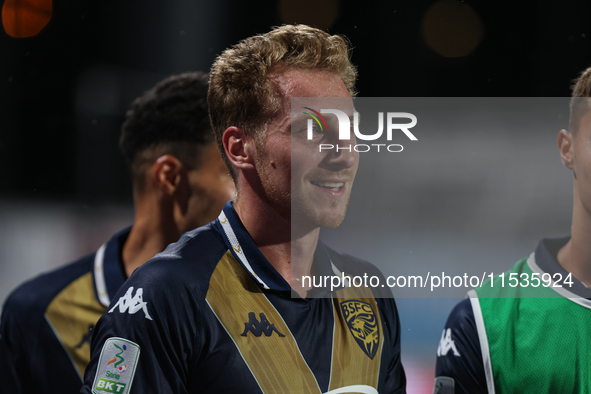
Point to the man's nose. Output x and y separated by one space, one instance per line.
343 155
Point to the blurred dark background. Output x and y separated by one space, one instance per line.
479 191
65 90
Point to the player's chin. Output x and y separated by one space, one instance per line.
316 216
331 223
331 218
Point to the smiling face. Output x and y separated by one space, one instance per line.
302 183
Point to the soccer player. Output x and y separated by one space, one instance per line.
180 182
534 337
215 312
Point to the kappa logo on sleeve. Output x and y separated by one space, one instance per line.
132 304
446 344
116 366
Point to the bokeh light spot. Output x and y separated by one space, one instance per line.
25 18
452 28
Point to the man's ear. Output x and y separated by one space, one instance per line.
565 143
166 172
239 148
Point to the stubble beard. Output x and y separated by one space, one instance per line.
305 214
279 200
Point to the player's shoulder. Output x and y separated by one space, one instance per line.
350 264
460 326
175 280
461 312
199 244
189 260
31 298
357 267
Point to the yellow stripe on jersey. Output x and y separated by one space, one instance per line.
71 314
273 356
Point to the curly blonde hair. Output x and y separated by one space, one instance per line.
579 103
240 91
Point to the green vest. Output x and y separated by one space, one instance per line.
533 339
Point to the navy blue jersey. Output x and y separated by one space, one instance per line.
47 322
211 315
461 361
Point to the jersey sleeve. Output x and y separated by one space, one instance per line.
458 355
10 352
145 342
395 381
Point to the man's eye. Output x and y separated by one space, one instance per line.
315 130
318 129
318 133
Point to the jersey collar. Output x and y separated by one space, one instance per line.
546 259
108 273
323 267
254 262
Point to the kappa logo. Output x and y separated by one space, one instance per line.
132 304
363 324
257 328
446 343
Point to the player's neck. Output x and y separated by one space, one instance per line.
153 230
290 254
303 246
575 256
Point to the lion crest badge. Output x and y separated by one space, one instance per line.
363 324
